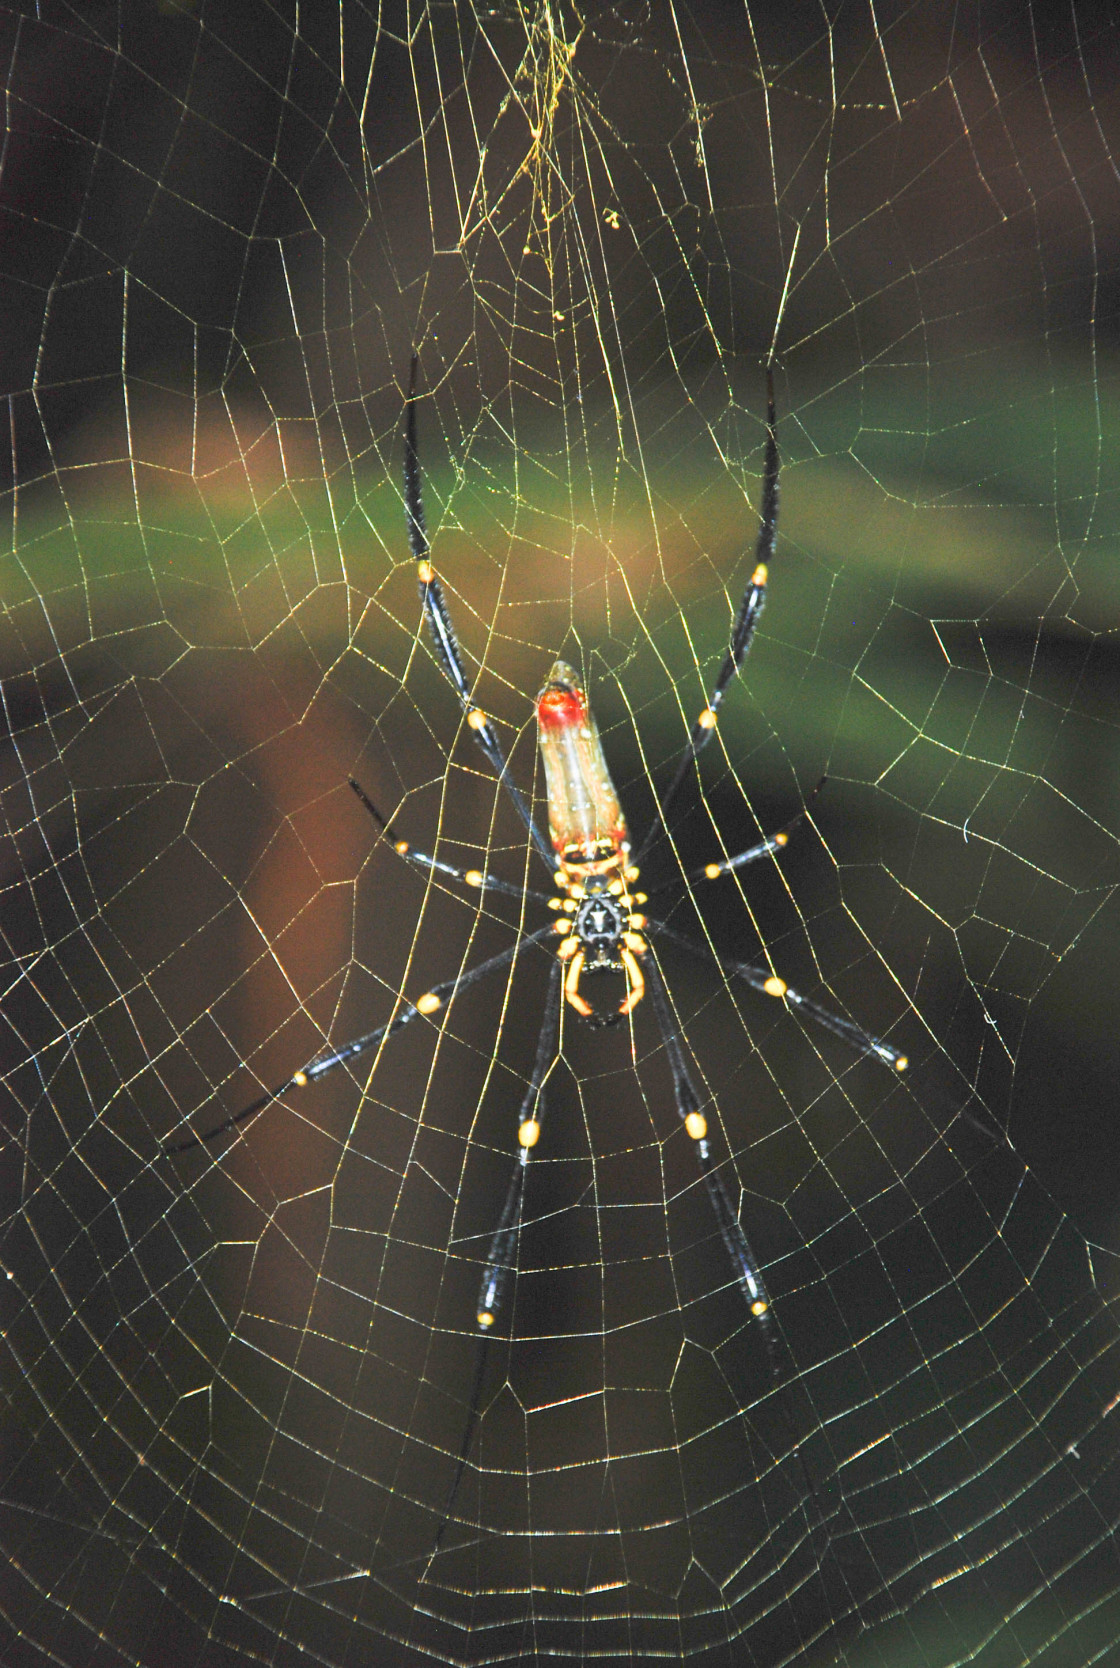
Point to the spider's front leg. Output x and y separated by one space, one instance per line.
748 1276
503 1245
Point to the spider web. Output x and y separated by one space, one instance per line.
236 1382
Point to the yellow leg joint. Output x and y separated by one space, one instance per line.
571 985
636 985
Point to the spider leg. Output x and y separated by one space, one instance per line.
503 1245
765 848
429 1003
433 865
761 979
742 632
748 1276
442 630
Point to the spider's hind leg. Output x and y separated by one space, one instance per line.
442 630
742 630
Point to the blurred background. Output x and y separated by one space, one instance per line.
237 1381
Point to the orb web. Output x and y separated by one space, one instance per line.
237 1380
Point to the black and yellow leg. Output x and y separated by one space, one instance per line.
503 1246
442 631
748 1276
769 984
743 628
477 878
765 848
424 1006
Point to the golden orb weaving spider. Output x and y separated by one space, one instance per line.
601 924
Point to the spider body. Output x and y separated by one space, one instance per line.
585 820
592 847
601 927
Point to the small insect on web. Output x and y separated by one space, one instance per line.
602 925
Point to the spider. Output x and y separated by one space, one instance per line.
600 922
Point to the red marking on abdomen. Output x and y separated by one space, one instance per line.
560 709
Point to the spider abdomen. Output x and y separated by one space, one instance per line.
584 816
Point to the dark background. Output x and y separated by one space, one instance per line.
245 1373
